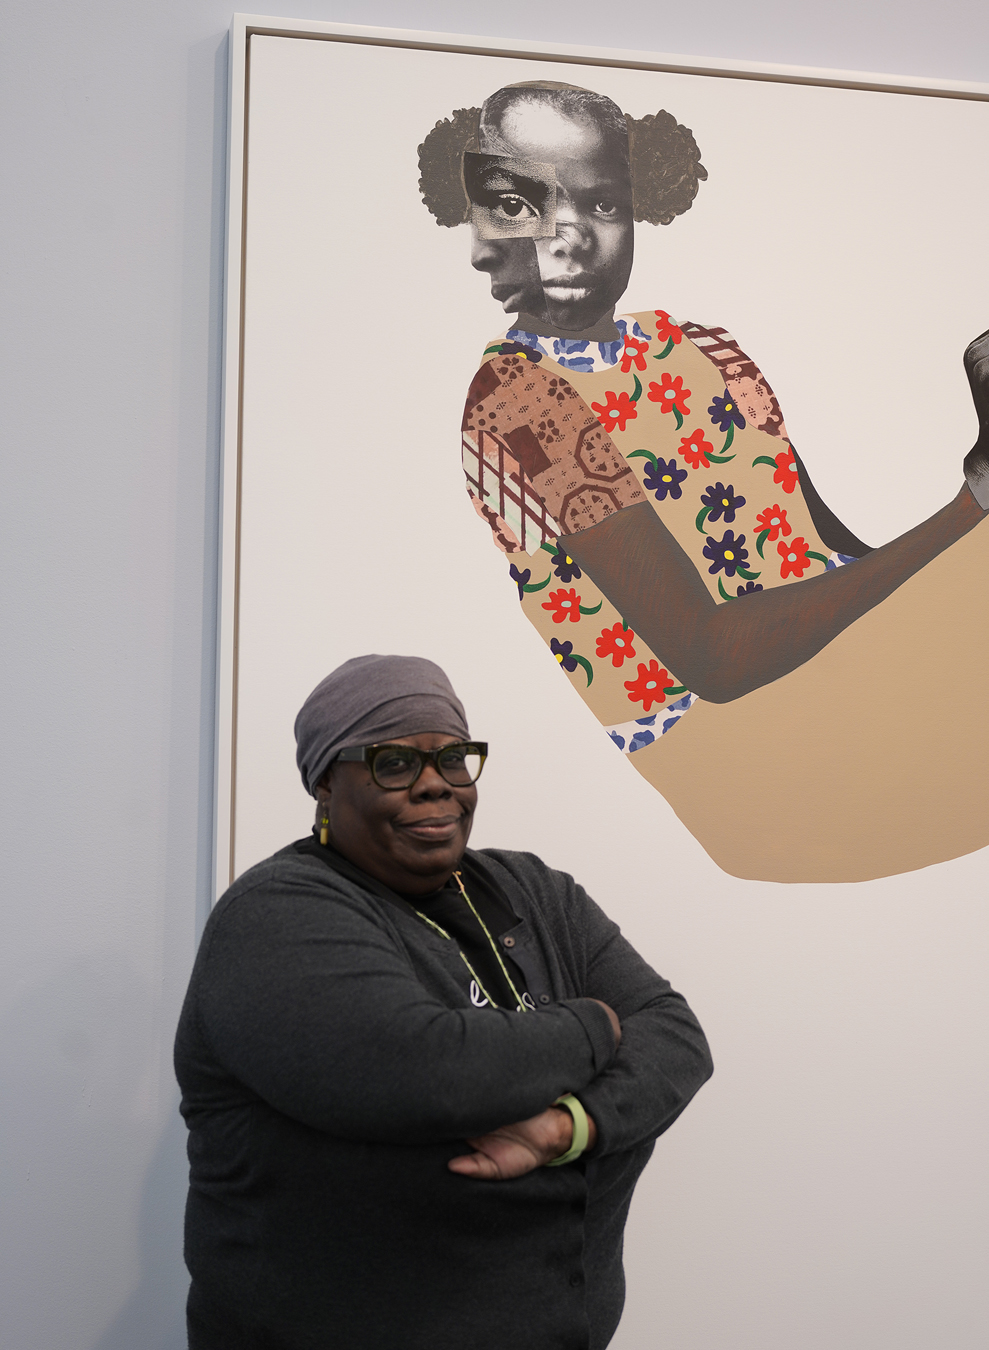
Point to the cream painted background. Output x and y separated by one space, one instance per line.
827 1186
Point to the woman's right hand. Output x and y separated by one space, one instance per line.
977 460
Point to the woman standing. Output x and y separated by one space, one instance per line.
420 1081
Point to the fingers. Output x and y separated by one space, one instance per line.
477 1165
500 1156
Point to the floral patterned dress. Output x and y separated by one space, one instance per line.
676 415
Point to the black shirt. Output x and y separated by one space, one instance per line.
331 1065
448 908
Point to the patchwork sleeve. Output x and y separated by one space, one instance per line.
538 462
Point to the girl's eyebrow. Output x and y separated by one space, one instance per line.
526 187
527 175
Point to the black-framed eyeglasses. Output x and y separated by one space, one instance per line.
394 767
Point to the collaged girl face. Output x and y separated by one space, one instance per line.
562 255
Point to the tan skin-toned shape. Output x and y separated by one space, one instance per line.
412 840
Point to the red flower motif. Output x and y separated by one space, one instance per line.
616 642
774 520
650 685
666 329
794 554
786 471
634 354
670 393
564 604
695 449
617 409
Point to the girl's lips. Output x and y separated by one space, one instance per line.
559 290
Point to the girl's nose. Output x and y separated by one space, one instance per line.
570 238
484 253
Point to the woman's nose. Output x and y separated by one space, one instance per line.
430 783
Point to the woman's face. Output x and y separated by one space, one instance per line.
584 265
411 839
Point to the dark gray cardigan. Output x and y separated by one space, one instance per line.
331 1063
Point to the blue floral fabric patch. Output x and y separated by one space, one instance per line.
839 560
577 353
636 735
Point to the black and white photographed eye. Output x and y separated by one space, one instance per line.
510 198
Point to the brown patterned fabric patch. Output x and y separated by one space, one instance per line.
750 388
558 444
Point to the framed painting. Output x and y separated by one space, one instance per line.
803 221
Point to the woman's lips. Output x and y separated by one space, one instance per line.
432 828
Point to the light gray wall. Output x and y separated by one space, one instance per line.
111 274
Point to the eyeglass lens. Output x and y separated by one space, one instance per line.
396 766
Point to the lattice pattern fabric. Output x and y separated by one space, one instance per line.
742 376
504 497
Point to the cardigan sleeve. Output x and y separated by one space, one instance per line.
306 997
663 1059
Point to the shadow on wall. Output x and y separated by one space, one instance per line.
153 1318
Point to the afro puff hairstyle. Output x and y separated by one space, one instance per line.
663 157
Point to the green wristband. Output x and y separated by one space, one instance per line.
581 1130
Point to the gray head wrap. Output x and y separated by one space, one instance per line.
370 699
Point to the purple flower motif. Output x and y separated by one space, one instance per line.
640 740
562 652
749 588
721 501
520 349
564 566
724 411
727 552
664 480
521 579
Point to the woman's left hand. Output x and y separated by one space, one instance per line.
513 1150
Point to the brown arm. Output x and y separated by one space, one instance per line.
722 651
